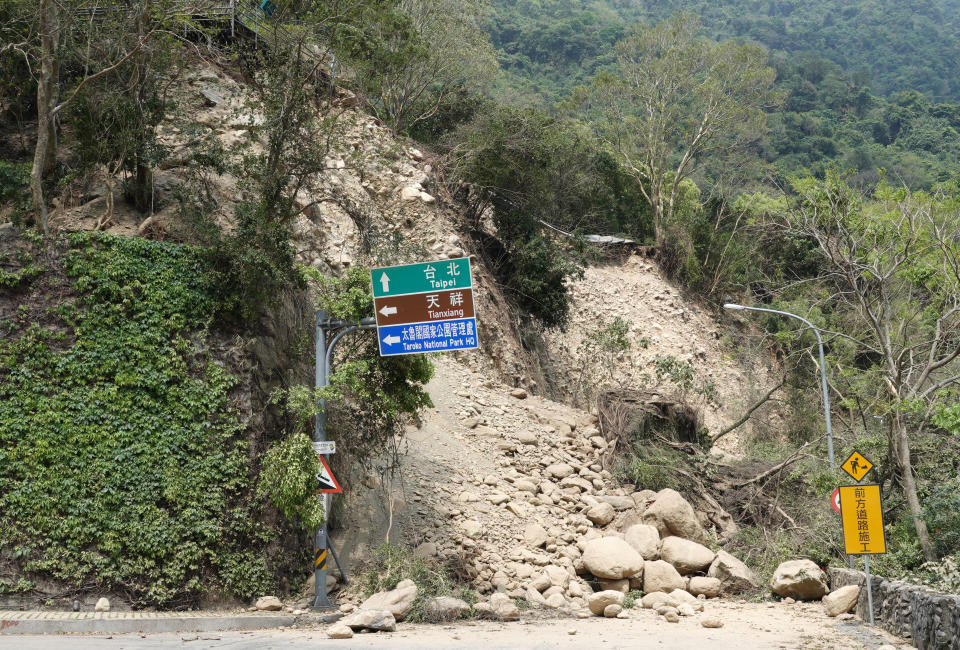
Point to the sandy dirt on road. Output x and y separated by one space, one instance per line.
747 626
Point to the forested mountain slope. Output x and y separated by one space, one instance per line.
898 46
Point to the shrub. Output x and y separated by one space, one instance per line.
122 463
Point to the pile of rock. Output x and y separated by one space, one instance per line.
665 558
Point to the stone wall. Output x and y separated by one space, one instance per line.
930 620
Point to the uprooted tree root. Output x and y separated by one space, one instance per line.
655 430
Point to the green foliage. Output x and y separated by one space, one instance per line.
943 576
649 466
369 397
546 47
423 55
288 479
389 565
540 174
942 512
682 375
632 598
14 180
121 460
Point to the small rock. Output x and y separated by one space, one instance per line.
339 631
599 601
709 587
556 601
612 611
519 393
601 514
445 608
103 605
571 631
535 535
672 616
711 621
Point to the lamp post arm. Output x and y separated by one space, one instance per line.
823 373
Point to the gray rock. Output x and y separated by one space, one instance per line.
612 611
841 601
686 556
800 579
601 514
645 539
672 515
269 604
397 601
735 577
661 576
611 558
339 631
379 620
599 601
445 608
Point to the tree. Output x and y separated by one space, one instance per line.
675 99
81 42
891 270
426 51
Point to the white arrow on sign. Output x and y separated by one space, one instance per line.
388 311
385 281
390 340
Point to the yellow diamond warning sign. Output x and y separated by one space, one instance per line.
862 515
857 466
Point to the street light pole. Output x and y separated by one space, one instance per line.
823 368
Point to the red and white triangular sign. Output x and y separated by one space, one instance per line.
328 484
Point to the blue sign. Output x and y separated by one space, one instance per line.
418 338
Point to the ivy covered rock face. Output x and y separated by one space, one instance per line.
122 464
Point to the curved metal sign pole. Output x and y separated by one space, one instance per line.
324 362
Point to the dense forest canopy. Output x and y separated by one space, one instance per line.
869 87
897 46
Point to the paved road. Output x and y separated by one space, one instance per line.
748 626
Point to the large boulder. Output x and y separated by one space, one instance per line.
735 577
799 579
397 601
378 620
841 601
645 539
600 600
686 556
670 514
611 558
661 576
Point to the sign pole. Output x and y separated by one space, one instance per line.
320 598
866 570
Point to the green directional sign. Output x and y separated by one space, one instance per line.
420 278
